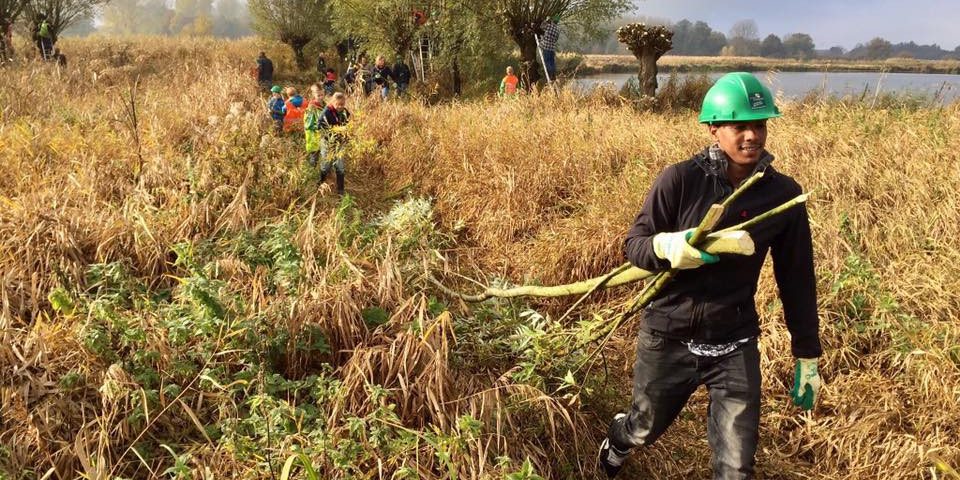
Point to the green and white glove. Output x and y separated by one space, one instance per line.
674 247
806 384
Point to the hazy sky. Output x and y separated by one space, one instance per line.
829 22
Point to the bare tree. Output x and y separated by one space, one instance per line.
293 22
745 29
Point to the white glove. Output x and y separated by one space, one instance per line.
674 247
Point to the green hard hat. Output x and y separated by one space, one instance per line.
738 97
276 89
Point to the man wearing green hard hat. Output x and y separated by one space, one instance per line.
702 329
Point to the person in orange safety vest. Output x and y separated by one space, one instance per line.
296 106
510 84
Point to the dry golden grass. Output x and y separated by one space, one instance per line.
539 189
547 187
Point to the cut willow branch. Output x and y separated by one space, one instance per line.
799 199
732 242
705 227
656 285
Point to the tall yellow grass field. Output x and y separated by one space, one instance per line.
195 305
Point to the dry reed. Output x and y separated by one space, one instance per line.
539 189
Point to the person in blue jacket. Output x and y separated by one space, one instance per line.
277 108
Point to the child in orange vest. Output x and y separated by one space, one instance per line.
293 119
510 84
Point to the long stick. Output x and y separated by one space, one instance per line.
708 223
776 211
542 60
739 243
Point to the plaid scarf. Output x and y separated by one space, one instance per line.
717 161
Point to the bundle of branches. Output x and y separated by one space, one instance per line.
732 240
648 44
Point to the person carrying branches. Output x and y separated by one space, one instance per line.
702 328
326 137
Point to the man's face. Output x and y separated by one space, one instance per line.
743 142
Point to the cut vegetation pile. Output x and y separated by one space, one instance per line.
192 305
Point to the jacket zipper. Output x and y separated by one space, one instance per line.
695 317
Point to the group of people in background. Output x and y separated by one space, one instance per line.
378 77
359 77
322 123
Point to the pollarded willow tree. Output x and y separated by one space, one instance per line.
468 41
293 22
524 18
648 44
383 24
60 14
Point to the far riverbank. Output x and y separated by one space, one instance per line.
596 64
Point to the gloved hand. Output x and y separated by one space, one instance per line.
806 384
674 247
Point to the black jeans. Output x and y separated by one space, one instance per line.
666 374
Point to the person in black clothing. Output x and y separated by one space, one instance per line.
703 327
60 58
381 74
264 72
401 76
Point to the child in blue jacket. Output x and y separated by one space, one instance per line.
277 108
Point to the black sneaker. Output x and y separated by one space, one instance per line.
610 459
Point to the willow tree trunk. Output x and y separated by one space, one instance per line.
648 72
457 81
6 43
298 54
530 67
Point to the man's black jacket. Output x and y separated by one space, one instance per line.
264 69
715 303
381 74
401 74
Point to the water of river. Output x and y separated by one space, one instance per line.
945 88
